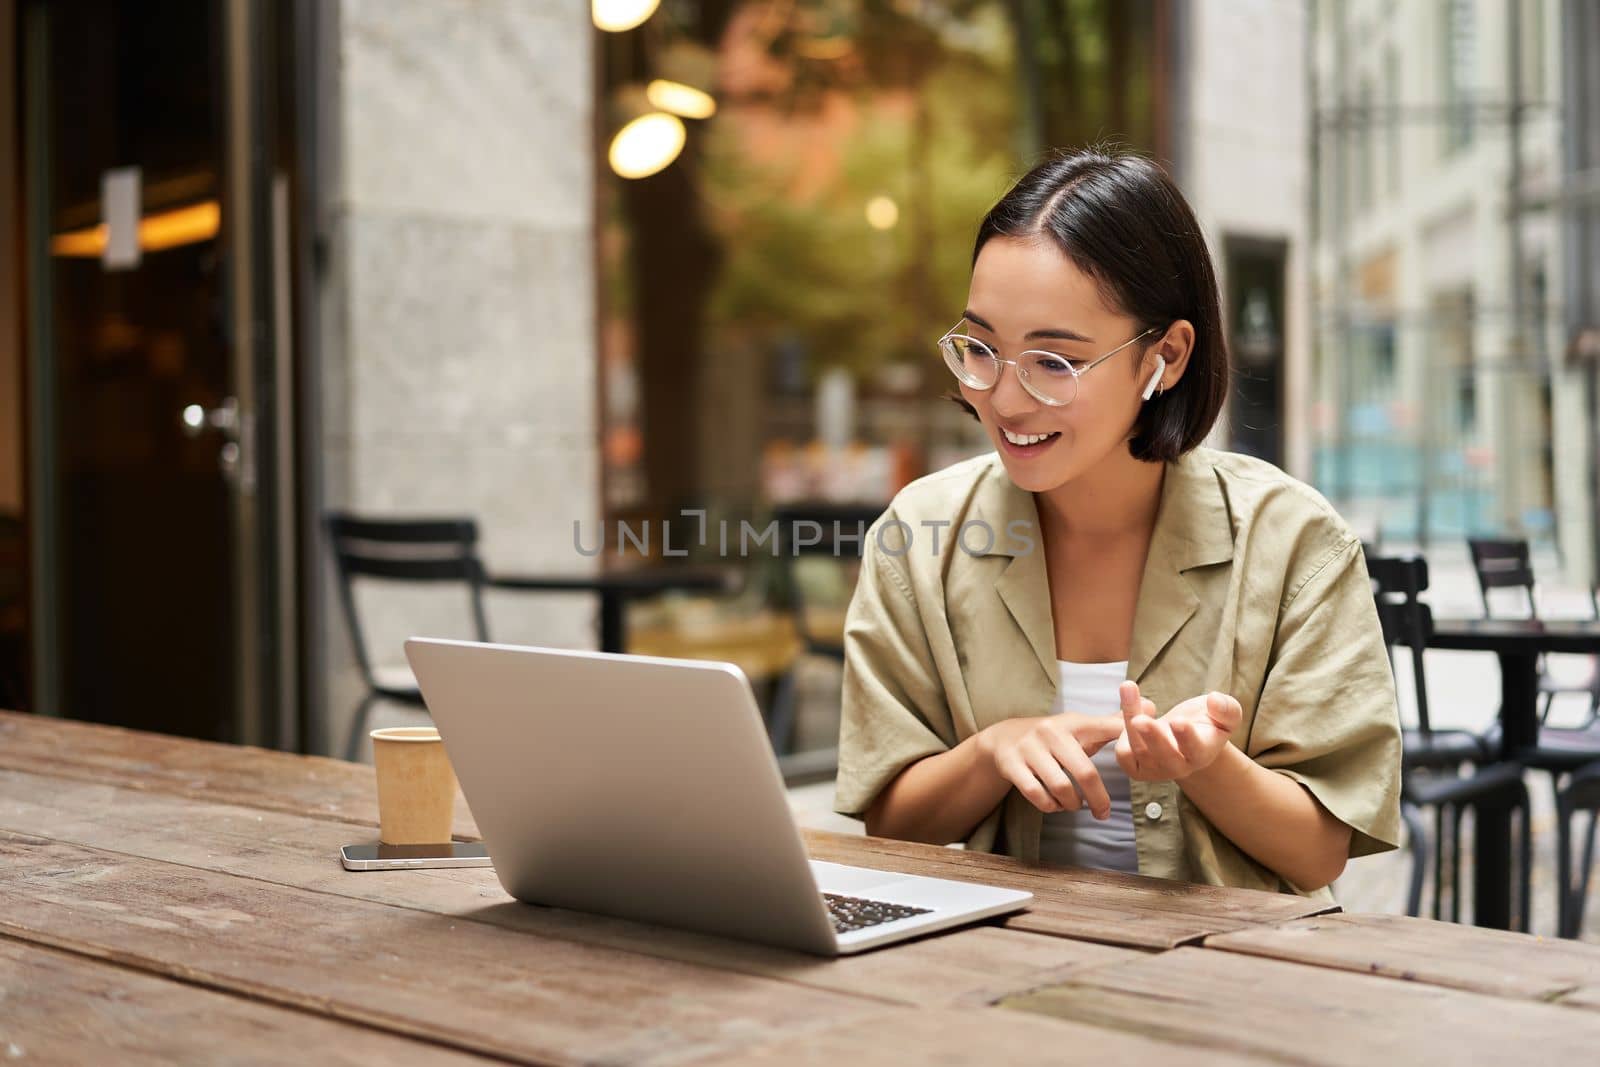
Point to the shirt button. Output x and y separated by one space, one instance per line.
1152 811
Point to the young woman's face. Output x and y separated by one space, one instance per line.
1021 292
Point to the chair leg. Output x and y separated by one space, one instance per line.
780 725
358 724
1581 893
1439 861
1564 816
1416 838
1544 713
1455 863
1525 851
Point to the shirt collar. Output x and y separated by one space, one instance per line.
1193 529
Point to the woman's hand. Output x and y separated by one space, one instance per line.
1184 740
1044 756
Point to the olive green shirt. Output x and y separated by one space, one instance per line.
1253 586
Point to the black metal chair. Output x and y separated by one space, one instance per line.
1581 793
1399 582
1507 564
812 531
433 550
1431 760
1563 752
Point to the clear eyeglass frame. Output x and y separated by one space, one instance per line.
1025 363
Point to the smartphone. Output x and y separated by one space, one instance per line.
381 857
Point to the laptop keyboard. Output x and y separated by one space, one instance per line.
854 913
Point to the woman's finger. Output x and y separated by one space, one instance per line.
1125 760
1015 770
1043 763
1224 711
1128 693
1187 735
1094 732
1163 747
1087 778
1136 738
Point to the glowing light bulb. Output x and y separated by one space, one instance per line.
646 145
680 99
882 213
615 16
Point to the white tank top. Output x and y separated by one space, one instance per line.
1077 838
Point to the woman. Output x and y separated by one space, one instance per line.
1104 645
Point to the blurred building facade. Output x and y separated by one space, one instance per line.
1445 286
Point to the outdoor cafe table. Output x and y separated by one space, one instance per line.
1518 643
617 587
169 901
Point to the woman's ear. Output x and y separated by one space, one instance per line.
1172 348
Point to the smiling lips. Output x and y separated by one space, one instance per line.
1022 440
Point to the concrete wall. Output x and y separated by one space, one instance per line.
1245 168
458 313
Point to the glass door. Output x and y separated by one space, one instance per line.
149 334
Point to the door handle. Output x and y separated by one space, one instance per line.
225 417
236 458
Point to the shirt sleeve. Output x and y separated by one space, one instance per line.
893 708
1327 715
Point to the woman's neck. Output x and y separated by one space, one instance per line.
1119 498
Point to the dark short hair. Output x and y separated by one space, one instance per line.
1121 219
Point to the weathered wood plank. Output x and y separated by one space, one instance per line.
943 1036
1118 909
977 965
1496 962
1100 906
1588 997
64 1008
1294 1013
465 985
181 766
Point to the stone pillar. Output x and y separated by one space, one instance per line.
458 363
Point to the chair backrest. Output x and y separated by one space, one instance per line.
816 530
1502 564
404 550
1398 583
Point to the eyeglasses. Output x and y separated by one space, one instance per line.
1049 377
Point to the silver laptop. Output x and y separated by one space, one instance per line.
646 788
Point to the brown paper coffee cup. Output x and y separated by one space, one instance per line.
416 786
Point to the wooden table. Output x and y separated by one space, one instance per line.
1518 644
170 901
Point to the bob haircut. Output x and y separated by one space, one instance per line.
1120 219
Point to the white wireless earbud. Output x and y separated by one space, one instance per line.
1161 368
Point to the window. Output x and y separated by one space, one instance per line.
1366 136
1458 66
1532 14
1391 117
